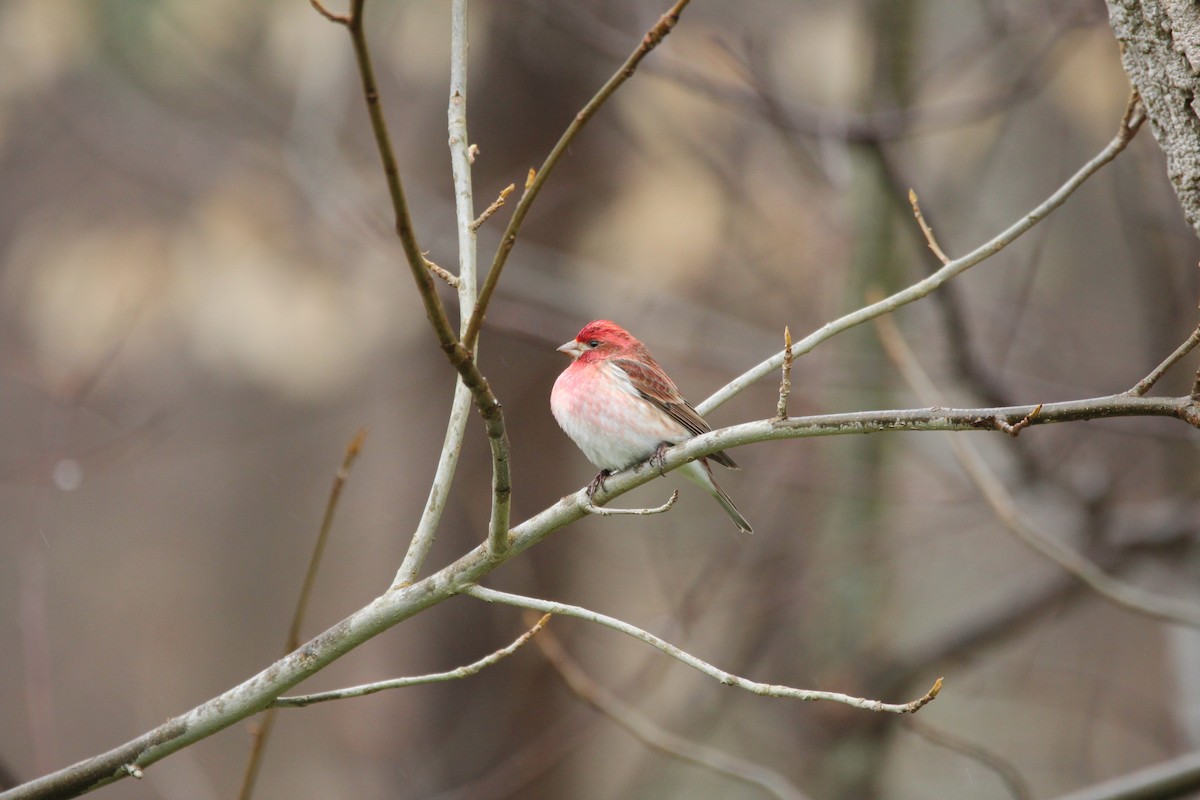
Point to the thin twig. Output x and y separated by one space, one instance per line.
651 735
1008 511
1130 123
466 671
1146 383
340 19
727 678
258 738
591 508
494 207
449 277
785 383
930 239
538 179
1014 429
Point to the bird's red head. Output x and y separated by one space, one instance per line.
601 339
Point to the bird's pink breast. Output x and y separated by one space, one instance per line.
597 405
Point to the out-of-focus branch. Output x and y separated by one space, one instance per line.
1009 512
1170 780
1130 123
851 127
466 671
1012 779
650 734
258 740
729 679
653 37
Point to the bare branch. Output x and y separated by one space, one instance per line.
460 357
591 508
402 602
1130 123
466 671
650 734
461 158
1146 383
729 679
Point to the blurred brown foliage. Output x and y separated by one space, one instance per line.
201 301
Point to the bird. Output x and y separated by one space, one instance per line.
619 407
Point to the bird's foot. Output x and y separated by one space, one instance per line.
597 483
660 455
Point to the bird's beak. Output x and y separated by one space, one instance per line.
572 348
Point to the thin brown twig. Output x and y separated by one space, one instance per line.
443 273
1014 429
494 207
1146 383
536 180
930 239
340 19
785 383
653 736
260 734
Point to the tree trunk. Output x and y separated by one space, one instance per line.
1160 49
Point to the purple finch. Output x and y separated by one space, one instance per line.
620 408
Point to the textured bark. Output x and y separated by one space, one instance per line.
1160 49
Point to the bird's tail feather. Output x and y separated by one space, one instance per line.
701 474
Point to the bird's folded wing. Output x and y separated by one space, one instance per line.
656 388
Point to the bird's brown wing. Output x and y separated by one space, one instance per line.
660 391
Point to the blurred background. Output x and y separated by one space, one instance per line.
201 301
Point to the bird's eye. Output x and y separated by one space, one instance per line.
593 343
